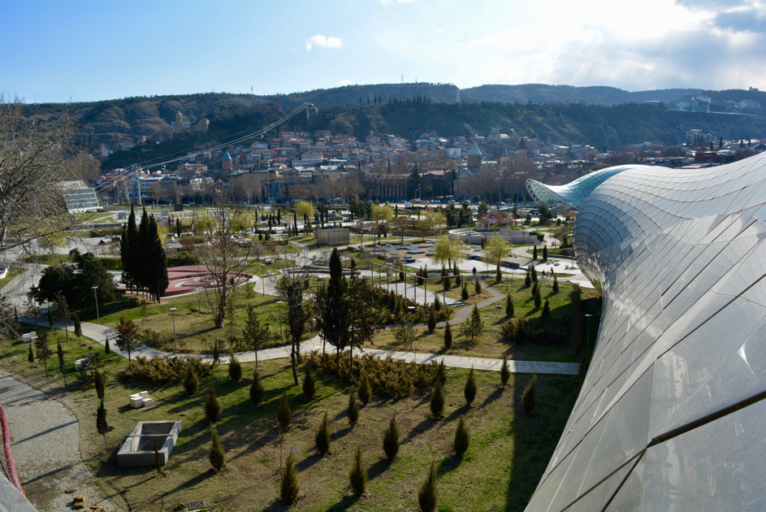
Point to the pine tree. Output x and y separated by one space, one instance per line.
437 400
546 310
99 385
469 392
545 253
235 369
528 397
309 383
288 483
462 438
284 414
212 406
534 290
42 349
464 294
437 303
191 384
31 355
505 372
441 373
156 271
534 275
508 305
427 495
473 327
431 320
365 389
538 300
101 424
357 477
107 348
217 455
447 337
555 284
478 285
391 439
353 408
322 438
256 389
498 275
62 363
527 279
534 253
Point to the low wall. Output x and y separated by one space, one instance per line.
138 448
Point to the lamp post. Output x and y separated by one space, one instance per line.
95 295
587 349
175 344
412 334
281 338
263 278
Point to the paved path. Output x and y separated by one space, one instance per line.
45 443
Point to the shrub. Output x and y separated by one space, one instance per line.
288 483
498 275
534 290
473 327
538 299
99 385
441 373
528 279
534 275
528 398
431 321
447 337
256 390
505 372
555 284
546 310
545 253
284 414
508 306
217 456
309 383
478 285
469 392
427 494
508 330
357 477
31 355
534 253
365 390
322 439
212 406
389 377
166 369
447 283
437 303
437 400
462 438
107 348
353 408
464 293
191 384
235 369
391 439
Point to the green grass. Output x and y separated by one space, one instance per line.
508 454
12 272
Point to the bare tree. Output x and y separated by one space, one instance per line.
35 157
222 255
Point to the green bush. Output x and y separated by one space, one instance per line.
257 392
217 455
235 369
285 414
437 400
508 305
353 408
111 263
431 321
309 383
462 438
391 439
182 259
191 384
166 369
212 406
365 389
322 438
469 392
357 477
427 496
528 398
505 372
447 337
288 483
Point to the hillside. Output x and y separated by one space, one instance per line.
602 127
542 93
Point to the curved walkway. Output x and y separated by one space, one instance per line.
45 441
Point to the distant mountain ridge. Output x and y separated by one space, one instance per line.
121 122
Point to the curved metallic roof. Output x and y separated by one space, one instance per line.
671 413
574 193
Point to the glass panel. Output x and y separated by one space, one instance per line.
630 495
597 498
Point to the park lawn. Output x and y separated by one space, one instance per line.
12 272
492 344
508 454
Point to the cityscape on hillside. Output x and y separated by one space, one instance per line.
378 255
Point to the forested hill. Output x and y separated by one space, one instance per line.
603 127
119 122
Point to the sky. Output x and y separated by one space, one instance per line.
78 50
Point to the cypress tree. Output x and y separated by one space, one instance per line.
191 384
469 392
447 283
62 363
534 290
157 271
365 389
498 275
99 386
478 285
107 348
555 284
508 305
235 369
309 383
427 495
212 406
353 408
528 397
534 275
391 439
288 483
437 303
447 337
431 320
546 310
141 247
534 253
462 438
285 414
31 355
545 253
101 424
217 455
505 372
256 389
357 477
441 373
464 294
437 400
527 279
322 438
538 300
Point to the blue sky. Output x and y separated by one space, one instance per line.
93 50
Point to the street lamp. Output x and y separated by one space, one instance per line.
263 278
588 316
175 345
281 338
412 334
95 295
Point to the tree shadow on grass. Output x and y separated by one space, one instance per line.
188 484
457 413
495 395
448 464
345 503
420 428
340 433
308 462
378 468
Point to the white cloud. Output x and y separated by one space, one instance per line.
324 42
345 82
